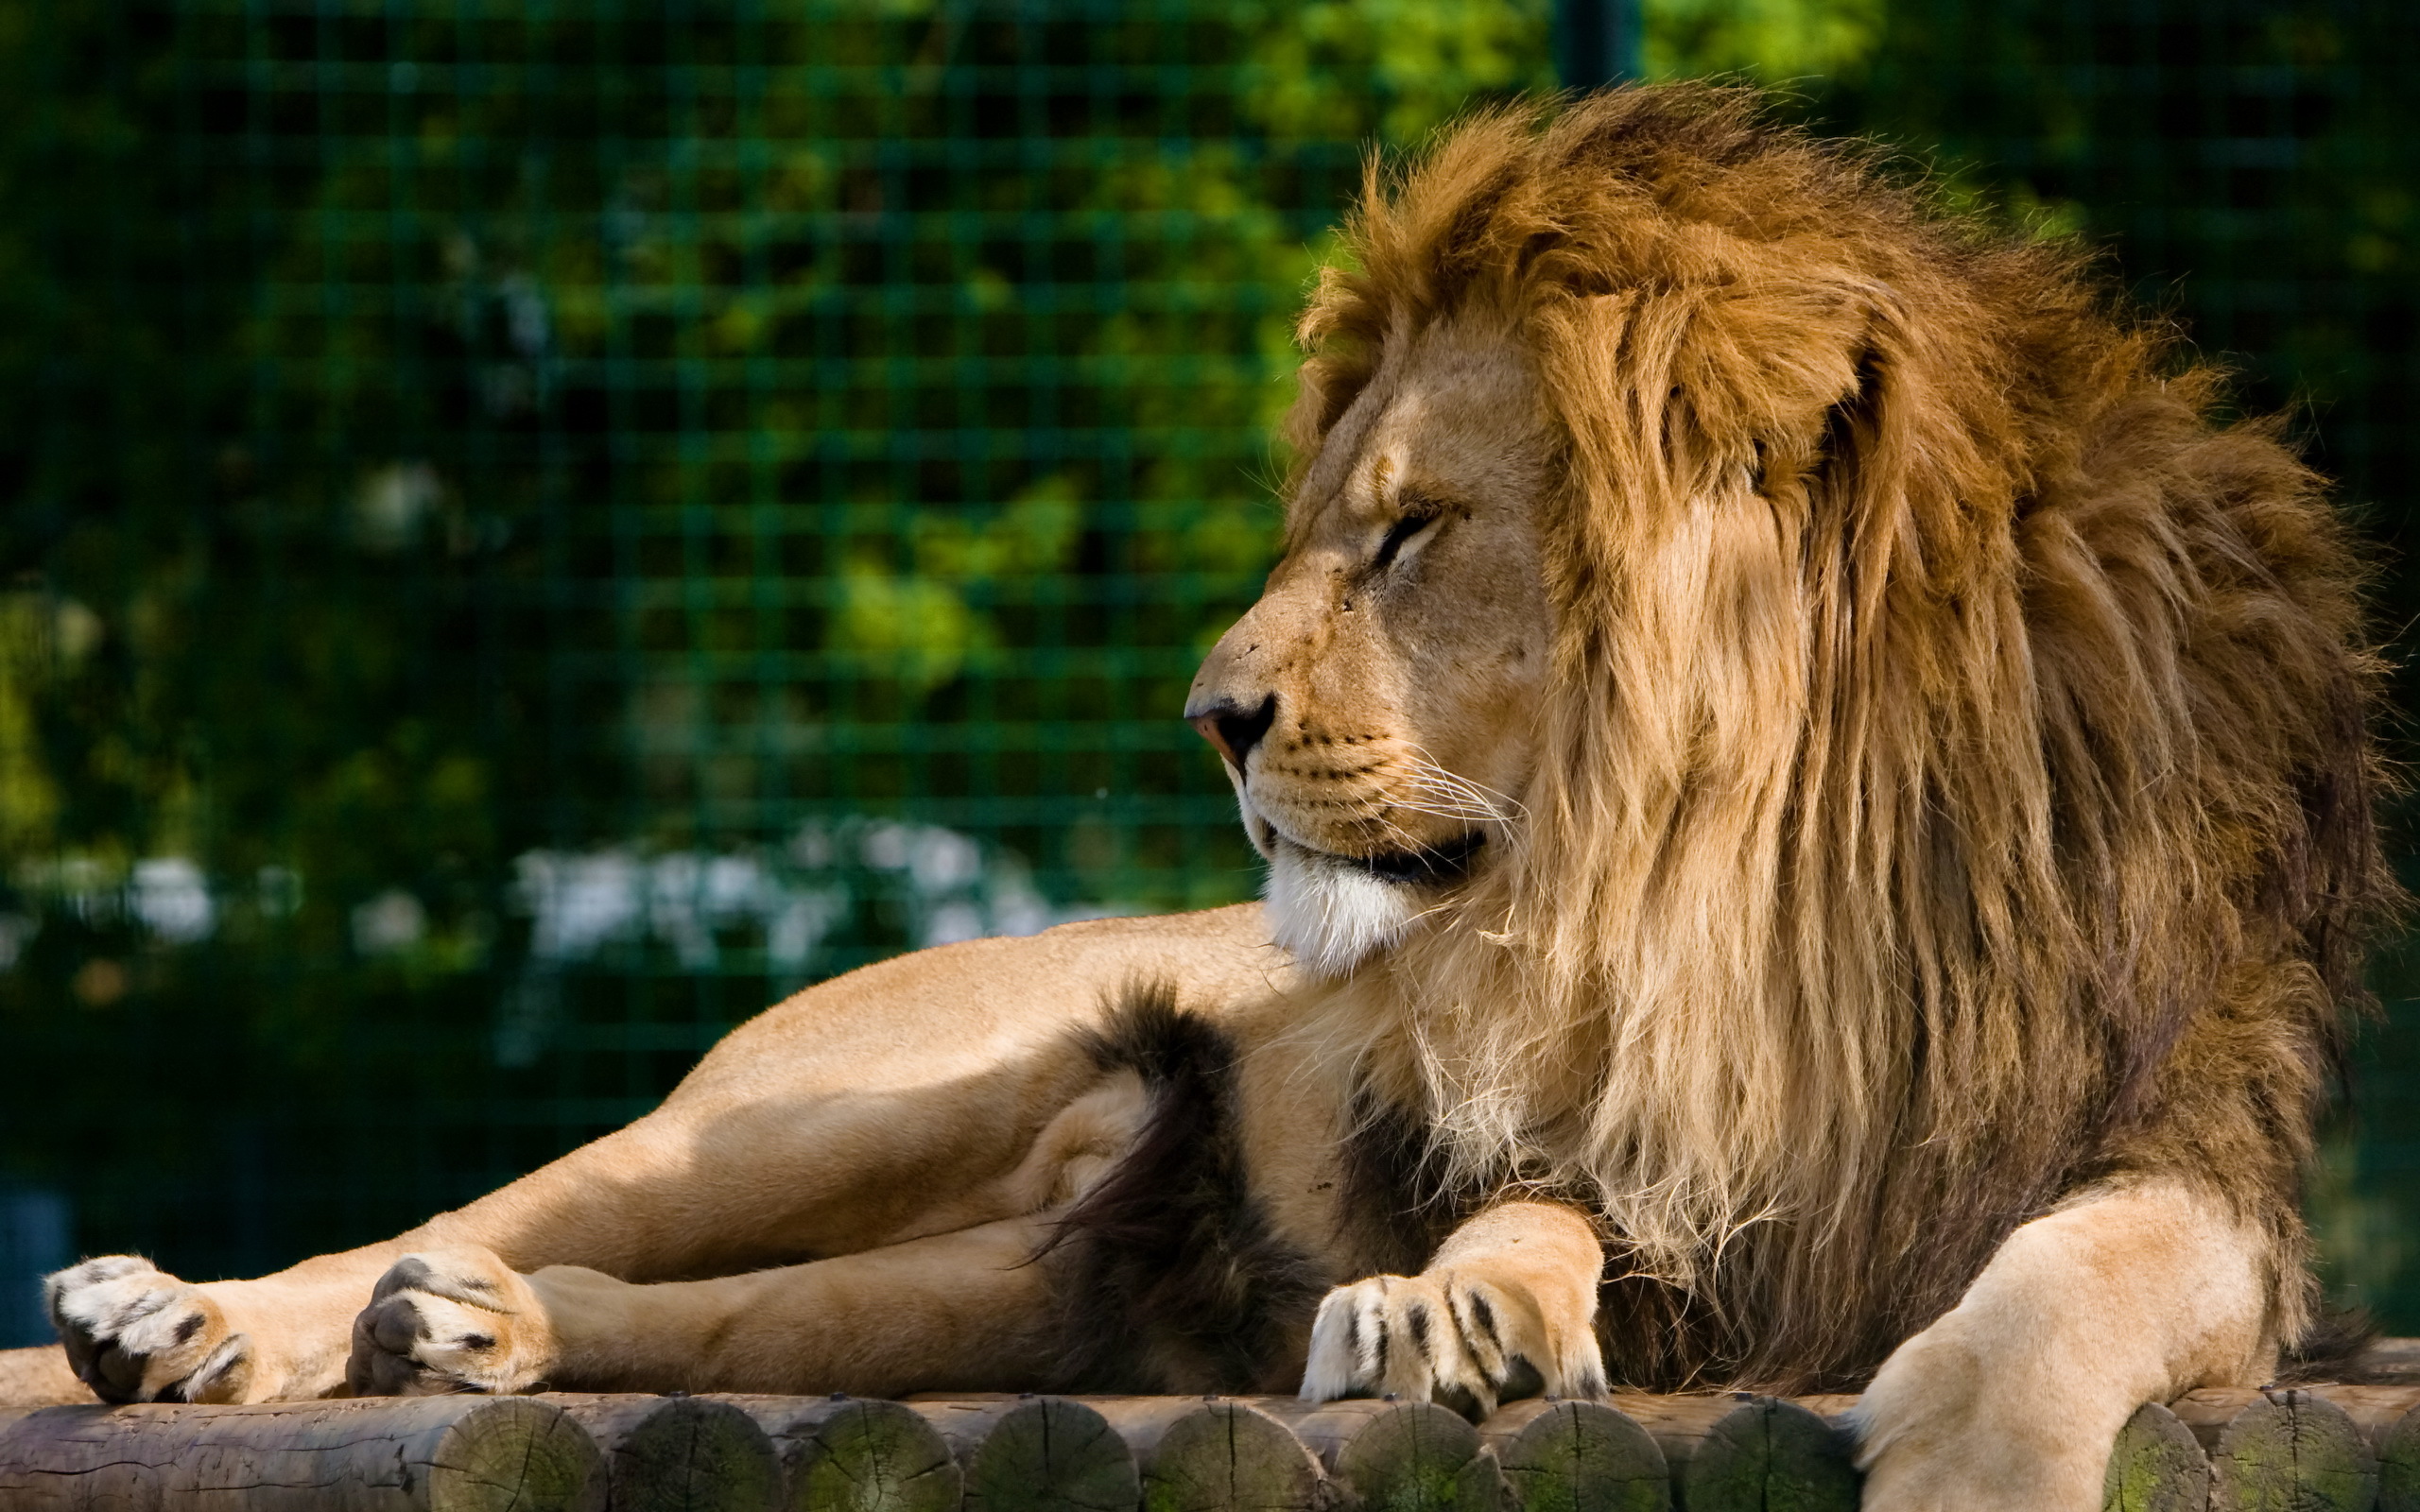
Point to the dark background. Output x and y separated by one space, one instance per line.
529 531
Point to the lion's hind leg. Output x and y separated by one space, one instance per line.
970 1311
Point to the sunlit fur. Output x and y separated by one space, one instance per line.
1955 787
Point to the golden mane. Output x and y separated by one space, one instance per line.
1956 787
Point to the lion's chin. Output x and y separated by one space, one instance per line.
1331 914
1335 912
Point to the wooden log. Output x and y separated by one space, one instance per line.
1748 1451
2272 1451
2155 1466
2386 1362
678 1452
1034 1453
1480 1486
1773 1456
844 1453
2398 1452
1393 1457
1679 1425
1213 1454
2374 1409
2207 1411
2389 1418
378 1454
1576 1456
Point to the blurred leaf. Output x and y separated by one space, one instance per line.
1774 41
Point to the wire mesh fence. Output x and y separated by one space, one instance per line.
535 529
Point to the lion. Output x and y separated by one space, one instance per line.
1818 815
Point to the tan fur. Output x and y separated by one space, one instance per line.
1792 746
2013 1397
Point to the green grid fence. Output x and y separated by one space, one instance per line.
533 529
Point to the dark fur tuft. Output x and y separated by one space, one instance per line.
1178 1284
1393 1209
2331 1347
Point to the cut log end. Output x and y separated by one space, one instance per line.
513 1454
1409 1458
863 1455
1051 1455
2400 1465
2293 1449
691 1454
2156 1465
1577 1456
1769 1456
1223 1456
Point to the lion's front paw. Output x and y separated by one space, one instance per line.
135 1334
1451 1332
449 1320
1940 1431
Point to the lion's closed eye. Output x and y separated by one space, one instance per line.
1417 517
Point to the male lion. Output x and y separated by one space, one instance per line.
1818 816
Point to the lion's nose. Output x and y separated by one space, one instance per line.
1232 730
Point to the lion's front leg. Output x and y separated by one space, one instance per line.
1516 1285
2012 1399
969 1310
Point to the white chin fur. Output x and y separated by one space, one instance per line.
1332 918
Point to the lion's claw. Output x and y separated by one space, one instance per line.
133 1332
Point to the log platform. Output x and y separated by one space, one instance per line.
2313 1449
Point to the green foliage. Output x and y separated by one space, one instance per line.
456 446
1392 70
1773 41
917 625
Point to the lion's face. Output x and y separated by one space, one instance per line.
1376 708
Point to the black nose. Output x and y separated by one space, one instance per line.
1234 731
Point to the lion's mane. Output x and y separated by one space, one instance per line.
1956 789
